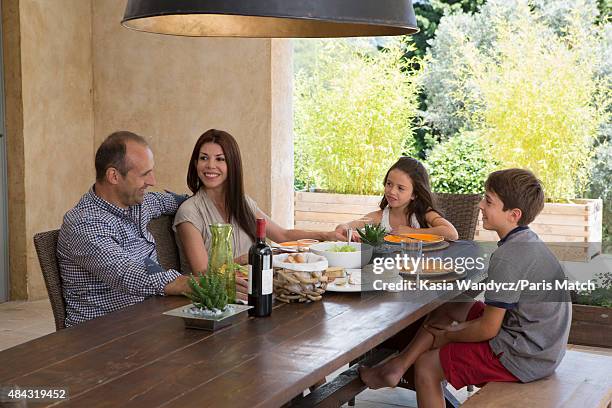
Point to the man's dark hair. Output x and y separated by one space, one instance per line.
111 153
518 188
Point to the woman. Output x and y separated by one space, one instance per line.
215 178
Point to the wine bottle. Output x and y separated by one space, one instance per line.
260 274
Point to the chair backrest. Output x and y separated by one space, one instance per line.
461 210
167 251
46 247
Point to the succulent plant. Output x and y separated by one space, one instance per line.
208 291
372 234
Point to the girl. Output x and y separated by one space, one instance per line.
408 204
214 176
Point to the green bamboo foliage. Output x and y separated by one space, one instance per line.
539 101
353 115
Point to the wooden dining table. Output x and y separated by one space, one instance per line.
139 357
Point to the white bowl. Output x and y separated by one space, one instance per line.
349 260
314 262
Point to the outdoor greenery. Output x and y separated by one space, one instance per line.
491 84
535 95
352 117
601 296
601 186
461 164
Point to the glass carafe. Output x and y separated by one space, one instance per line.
221 258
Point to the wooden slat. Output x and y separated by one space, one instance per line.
565 230
315 226
338 198
581 380
356 209
324 217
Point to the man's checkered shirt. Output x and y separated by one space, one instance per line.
107 256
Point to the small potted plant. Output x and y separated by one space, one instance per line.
208 294
211 308
374 235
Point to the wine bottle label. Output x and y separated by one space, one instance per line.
250 279
266 282
267 262
266 279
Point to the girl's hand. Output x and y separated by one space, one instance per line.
404 229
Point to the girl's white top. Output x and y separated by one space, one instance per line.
414 223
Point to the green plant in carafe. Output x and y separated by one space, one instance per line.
221 258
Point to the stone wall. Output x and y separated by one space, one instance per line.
73 75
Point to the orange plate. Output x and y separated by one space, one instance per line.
426 238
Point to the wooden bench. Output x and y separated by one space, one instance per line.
582 380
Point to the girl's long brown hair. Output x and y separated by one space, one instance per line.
235 200
424 201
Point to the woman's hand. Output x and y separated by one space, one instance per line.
242 288
242 259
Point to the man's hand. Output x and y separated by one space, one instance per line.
341 233
439 333
178 286
242 288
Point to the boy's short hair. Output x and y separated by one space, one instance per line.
518 188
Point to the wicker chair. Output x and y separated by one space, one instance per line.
167 251
461 210
46 247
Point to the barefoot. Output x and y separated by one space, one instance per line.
388 374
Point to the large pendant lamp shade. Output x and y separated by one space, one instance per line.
272 18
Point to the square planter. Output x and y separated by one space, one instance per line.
573 230
591 326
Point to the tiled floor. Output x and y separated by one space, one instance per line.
23 321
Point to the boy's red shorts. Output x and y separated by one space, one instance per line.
472 363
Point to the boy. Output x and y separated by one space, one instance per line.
515 335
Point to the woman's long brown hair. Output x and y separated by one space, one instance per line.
235 200
424 201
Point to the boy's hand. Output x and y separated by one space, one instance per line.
439 333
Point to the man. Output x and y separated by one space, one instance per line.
107 256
